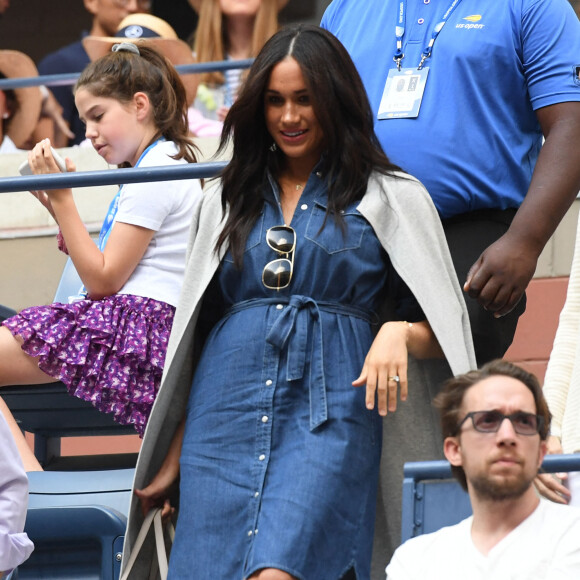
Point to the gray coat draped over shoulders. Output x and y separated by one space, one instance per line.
405 221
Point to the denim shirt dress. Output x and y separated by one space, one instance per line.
280 458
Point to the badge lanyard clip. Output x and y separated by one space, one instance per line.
400 33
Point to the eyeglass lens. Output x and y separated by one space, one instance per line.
490 422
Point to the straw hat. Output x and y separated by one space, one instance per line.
153 31
15 64
195 4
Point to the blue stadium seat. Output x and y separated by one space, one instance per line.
74 543
110 488
77 522
432 499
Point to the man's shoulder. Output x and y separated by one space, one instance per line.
70 58
420 556
440 541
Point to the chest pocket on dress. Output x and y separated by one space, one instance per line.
332 238
253 239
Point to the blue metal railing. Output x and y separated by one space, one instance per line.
111 176
70 78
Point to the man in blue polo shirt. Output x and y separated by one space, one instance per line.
497 76
107 15
463 92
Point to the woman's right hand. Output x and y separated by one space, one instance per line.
156 494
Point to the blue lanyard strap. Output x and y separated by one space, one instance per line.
107 226
114 206
400 32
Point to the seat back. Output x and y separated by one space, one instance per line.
70 283
110 488
74 542
432 499
77 522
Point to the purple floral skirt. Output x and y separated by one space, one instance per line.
110 352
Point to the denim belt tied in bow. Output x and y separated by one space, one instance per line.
292 328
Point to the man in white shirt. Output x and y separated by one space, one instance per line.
512 534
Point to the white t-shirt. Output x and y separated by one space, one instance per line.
167 208
545 546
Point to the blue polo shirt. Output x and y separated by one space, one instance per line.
476 140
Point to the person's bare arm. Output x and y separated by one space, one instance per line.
500 276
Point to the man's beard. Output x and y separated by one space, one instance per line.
500 489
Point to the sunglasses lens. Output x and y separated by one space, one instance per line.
277 274
525 423
487 421
281 239
490 422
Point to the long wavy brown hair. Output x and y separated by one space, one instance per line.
352 150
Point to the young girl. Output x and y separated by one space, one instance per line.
108 345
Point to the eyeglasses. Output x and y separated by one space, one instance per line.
490 422
278 273
141 4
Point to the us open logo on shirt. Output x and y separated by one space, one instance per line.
577 74
471 22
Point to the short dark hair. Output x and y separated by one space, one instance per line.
450 399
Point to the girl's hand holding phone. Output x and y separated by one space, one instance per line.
43 159
42 150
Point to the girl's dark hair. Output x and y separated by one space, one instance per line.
119 75
352 151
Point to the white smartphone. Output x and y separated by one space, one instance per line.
24 168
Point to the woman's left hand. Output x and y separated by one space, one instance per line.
386 360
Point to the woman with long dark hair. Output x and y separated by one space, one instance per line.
278 354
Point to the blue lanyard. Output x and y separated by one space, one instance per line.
107 226
400 32
109 218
